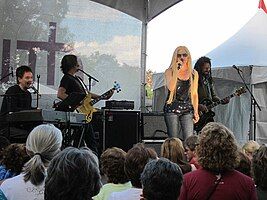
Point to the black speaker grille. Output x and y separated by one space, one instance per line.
153 126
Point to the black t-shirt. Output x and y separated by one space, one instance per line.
16 99
71 84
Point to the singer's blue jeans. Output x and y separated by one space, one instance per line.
179 126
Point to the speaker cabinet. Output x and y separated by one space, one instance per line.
116 128
154 144
153 126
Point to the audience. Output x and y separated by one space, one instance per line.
190 150
135 161
4 142
73 175
42 144
217 179
250 147
259 166
244 164
161 180
224 172
14 158
172 149
112 165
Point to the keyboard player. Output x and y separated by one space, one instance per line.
17 98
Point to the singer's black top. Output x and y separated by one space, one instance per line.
72 84
16 99
182 102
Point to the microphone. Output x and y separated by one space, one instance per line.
179 64
235 67
35 91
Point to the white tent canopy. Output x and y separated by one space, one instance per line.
246 47
247 50
144 10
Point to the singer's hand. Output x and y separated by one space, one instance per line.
195 118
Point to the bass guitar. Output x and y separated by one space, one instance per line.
87 104
206 116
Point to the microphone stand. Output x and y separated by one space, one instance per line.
10 73
254 103
38 86
89 78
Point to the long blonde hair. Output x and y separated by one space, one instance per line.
174 67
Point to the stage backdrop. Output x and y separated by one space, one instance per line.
39 33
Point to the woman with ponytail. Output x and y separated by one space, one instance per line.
42 144
181 107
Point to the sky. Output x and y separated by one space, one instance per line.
99 28
201 25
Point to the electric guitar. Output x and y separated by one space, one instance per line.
205 116
87 104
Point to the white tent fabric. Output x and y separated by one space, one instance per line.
144 10
246 47
247 50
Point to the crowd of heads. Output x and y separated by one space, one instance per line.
75 173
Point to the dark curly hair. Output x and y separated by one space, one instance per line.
217 149
68 62
259 166
112 165
14 157
198 67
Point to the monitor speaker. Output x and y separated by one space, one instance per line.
116 128
153 126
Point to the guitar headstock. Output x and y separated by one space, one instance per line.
117 86
240 91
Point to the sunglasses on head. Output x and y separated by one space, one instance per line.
180 55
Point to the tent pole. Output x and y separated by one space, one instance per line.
143 67
143 62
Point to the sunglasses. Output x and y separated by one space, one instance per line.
180 55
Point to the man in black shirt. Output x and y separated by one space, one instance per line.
73 84
206 91
17 98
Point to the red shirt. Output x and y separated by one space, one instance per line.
233 186
195 162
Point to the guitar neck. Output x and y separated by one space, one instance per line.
220 102
102 96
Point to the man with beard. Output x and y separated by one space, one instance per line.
206 92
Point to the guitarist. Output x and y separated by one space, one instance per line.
71 83
205 86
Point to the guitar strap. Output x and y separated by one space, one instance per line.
83 84
206 83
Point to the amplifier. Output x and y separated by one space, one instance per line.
116 128
153 126
113 104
